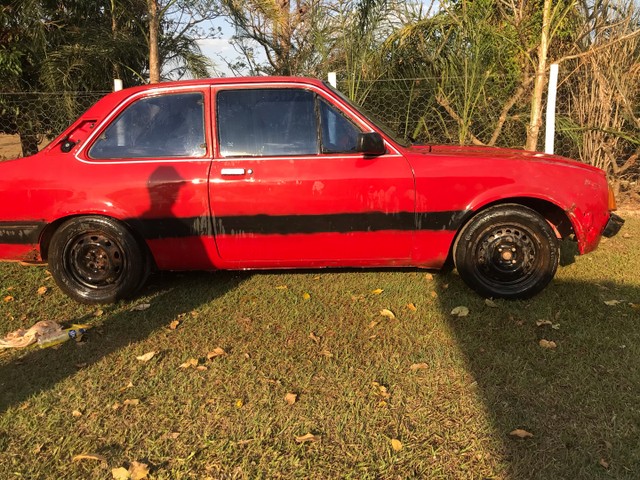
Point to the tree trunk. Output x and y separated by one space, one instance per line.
283 37
154 27
117 70
540 80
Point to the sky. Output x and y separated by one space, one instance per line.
217 49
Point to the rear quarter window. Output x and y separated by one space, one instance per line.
159 126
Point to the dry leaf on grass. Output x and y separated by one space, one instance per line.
612 303
192 362
120 473
147 356
418 366
377 291
396 444
603 463
490 303
381 390
98 313
309 437
281 287
326 353
140 307
291 398
42 290
89 456
173 325
306 296
385 312
137 471
216 352
76 413
542 323
460 311
314 337
412 307
8 299
428 277
547 343
520 433
134 402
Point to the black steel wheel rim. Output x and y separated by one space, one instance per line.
95 260
507 255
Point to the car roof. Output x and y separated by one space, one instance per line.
225 81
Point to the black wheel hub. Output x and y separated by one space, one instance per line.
95 260
506 255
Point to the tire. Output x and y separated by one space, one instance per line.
507 251
97 260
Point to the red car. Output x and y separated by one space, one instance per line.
263 173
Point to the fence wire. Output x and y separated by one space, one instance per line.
419 109
28 121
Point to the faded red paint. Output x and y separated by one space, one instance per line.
53 185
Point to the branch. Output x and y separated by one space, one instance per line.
444 103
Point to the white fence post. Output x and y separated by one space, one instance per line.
332 79
551 109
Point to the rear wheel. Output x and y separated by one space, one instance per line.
97 260
507 251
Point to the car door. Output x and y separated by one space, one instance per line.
288 188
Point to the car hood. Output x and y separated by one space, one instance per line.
498 154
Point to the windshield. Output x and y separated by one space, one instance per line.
388 131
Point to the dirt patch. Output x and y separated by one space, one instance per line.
10 147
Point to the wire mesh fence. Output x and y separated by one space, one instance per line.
490 111
28 121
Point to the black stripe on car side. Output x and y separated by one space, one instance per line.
20 233
171 227
337 223
176 227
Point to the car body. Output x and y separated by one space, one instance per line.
282 172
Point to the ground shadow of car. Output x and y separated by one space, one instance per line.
39 370
579 399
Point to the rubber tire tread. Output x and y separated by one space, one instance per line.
538 228
136 265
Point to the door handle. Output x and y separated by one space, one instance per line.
234 171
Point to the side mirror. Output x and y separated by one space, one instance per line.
370 143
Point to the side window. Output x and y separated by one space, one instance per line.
262 122
339 135
160 126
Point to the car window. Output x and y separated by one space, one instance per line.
160 126
263 122
339 135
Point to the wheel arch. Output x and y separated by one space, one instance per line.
557 218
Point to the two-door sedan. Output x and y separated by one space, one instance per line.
264 173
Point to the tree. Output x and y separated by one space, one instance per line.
295 37
47 47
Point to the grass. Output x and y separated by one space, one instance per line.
481 377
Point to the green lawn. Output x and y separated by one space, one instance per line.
474 379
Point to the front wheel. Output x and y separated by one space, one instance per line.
96 260
507 251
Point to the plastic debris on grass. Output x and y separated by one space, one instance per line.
45 333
